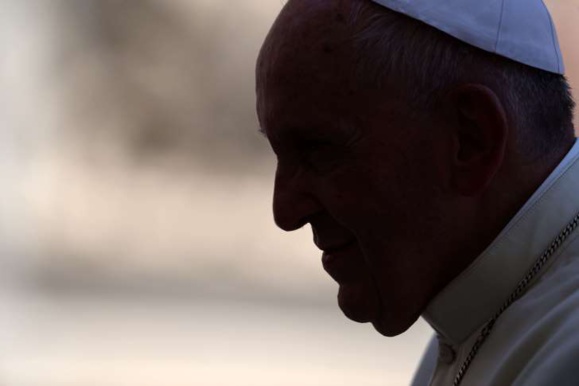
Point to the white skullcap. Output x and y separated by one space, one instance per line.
521 30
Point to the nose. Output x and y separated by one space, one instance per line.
293 200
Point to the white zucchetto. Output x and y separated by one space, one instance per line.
521 30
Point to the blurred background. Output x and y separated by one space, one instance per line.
137 245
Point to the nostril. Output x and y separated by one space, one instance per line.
288 221
292 212
293 201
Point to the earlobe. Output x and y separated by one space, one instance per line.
480 137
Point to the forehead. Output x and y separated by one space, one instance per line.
304 41
299 96
306 64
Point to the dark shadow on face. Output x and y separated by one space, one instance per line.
354 165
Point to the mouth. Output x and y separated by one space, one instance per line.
333 251
339 262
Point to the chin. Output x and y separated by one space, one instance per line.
395 323
357 314
358 304
364 306
391 328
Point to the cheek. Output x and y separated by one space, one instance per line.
366 190
382 205
360 202
380 184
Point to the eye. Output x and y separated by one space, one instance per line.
321 156
310 146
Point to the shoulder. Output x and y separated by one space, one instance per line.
555 361
540 332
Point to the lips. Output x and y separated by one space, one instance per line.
331 252
342 263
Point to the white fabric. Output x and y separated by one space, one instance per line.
521 30
536 341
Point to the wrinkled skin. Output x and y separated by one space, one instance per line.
384 192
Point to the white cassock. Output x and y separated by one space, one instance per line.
535 342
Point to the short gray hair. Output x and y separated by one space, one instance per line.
539 103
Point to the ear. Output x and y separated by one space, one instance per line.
480 136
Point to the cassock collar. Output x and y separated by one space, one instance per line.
471 299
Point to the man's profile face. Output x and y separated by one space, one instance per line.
353 165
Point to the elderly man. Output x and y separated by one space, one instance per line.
430 146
